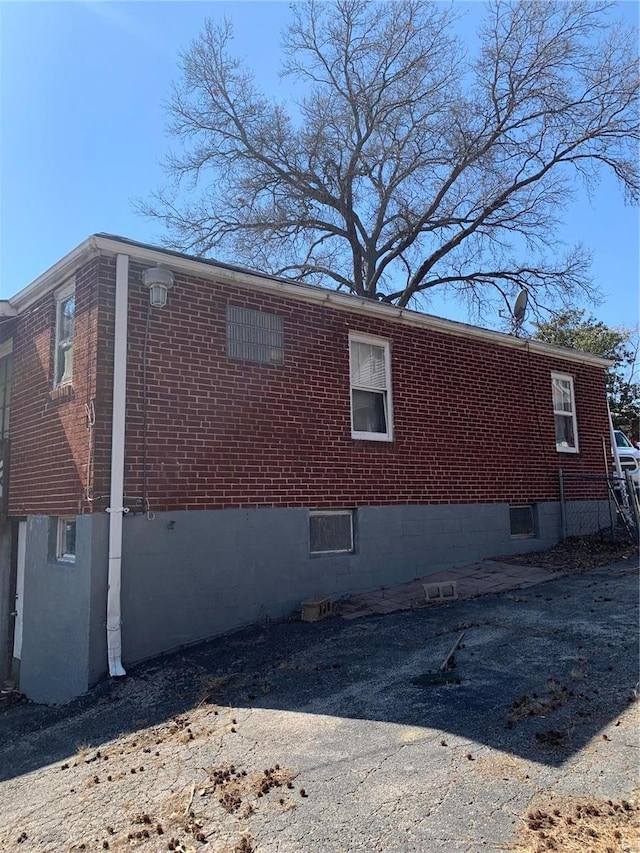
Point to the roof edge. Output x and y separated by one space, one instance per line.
112 245
52 277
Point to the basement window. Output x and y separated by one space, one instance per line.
66 540
65 315
254 336
522 521
331 531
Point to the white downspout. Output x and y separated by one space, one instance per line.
116 509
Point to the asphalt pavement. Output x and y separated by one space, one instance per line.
367 748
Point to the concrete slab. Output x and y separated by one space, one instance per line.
476 579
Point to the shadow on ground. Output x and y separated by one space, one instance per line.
541 672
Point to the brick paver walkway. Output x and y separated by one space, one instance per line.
485 577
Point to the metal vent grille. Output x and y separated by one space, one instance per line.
331 531
254 336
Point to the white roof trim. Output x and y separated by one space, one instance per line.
291 290
54 276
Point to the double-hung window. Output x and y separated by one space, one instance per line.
371 411
65 314
564 413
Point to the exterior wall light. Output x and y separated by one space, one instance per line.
158 280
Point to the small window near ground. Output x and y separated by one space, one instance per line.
522 521
564 413
66 540
370 366
65 316
331 531
254 336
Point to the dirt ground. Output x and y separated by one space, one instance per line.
578 554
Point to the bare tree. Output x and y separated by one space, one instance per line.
406 164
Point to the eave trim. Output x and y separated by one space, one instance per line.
207 269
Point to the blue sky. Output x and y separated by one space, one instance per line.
82 132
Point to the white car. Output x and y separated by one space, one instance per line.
629 456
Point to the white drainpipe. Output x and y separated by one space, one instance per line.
116 510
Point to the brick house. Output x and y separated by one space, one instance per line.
177 472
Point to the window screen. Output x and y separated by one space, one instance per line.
564 413
521 519
330 531
254 336
370 407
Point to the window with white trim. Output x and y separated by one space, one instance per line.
65 315
66 540
564 413
331 531
370 366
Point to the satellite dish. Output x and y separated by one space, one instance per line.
519 310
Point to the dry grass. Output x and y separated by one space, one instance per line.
573 825
213 687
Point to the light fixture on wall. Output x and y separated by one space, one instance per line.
158 280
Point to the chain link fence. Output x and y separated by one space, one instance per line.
598 503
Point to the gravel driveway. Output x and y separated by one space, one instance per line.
333 736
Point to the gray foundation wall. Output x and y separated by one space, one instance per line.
189 576
7 598
62 611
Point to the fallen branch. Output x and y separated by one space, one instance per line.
445 662
193 790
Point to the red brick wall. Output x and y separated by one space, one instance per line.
48 429
472 421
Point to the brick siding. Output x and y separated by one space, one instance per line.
472 420
50 442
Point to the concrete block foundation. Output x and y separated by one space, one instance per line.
189 576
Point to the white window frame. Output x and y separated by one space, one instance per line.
324 512
561 448
356 337
61 296
62 554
